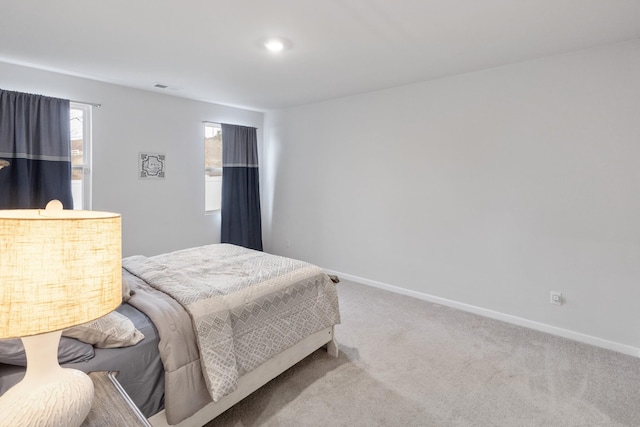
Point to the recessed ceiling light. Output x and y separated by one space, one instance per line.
276 44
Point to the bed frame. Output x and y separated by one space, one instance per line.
255 379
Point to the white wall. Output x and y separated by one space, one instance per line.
157 215
485 190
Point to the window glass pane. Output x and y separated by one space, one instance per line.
77 158
213 150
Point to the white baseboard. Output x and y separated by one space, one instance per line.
565 333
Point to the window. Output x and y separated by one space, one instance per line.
81 155
212 167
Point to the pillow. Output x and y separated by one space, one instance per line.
110 331
69 351
126 290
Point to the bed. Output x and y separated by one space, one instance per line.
219 321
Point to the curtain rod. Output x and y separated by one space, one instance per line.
221 123
87 103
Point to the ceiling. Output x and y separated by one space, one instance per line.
210 49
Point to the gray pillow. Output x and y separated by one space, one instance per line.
110 331
126 290
69 351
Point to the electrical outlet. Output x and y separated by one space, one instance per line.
556 298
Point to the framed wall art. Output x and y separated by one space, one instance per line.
151 165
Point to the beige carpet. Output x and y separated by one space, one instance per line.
407 362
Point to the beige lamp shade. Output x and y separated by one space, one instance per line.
57 269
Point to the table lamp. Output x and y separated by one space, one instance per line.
58 268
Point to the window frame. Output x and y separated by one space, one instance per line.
208 169
87 142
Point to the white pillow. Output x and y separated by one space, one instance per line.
110 331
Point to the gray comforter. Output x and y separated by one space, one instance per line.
221 311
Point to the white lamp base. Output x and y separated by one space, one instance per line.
48 395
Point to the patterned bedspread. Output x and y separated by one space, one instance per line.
246 306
